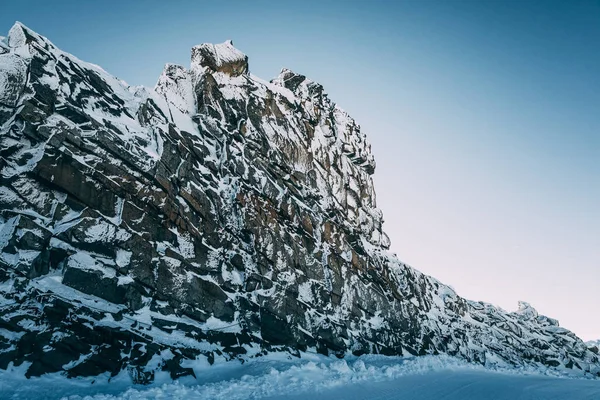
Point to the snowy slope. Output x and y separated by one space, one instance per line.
214 217
319 377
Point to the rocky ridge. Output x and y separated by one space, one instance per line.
216 215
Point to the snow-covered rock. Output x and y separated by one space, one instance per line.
217 215
221 57
594 346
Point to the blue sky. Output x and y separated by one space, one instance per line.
484 118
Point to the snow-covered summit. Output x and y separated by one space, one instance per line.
19 34
215 216
221 57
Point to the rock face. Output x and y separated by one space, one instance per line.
216 215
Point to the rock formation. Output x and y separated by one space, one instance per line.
216 215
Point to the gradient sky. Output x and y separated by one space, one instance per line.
484 117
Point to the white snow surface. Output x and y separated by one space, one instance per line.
316 377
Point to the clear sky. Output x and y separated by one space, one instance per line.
484 118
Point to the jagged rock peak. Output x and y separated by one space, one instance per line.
221 57
298 84
17 35
527 310
20 35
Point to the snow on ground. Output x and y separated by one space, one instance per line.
313 377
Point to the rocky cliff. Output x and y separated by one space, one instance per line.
216 215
